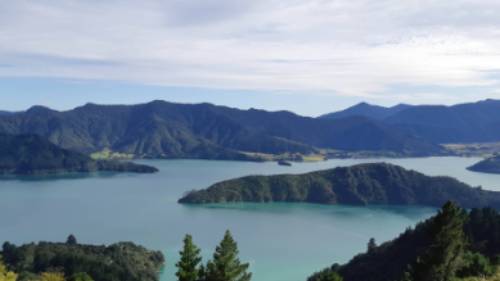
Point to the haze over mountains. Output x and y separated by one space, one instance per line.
168 130
462 123
367 110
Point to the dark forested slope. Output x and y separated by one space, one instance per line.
377 183
451 244
32 154
168 130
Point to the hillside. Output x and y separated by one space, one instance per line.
367 110
489 165
31 154
476 235
123 261
168 130
363 184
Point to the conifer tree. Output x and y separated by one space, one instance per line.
444 256
189 264
371 245
225 265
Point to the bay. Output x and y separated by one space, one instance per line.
282 242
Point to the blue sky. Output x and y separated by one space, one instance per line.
310 57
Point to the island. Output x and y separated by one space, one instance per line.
123 261
489 165
34 155
375 183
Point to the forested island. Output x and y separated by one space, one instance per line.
34 155
377 183
452 245
489 165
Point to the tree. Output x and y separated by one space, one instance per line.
6 275
225 265
189 264
371 245
71 240
443 257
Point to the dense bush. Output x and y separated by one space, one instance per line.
452 244
118 262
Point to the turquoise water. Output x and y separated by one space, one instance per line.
283 242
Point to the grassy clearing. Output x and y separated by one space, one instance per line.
107 154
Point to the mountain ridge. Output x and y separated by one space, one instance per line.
162 129
460 123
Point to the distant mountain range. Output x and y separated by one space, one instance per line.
367 110
33 155
168 130
2 112
377 183
462 123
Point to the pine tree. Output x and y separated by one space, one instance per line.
225 265
371 245
444 256
188 265
71 240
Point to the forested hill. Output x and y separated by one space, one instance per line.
167 130
453 245
32 154
122 261
377 183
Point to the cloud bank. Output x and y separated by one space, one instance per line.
347 47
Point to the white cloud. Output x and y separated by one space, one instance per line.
355 48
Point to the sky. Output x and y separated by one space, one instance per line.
310 57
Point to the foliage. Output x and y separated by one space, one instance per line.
71 240
372 245
225 265
189 263
52 276
475 264
453 244
443 257
31 154
118 262
376 183
6 275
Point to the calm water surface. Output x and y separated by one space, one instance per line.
283 242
